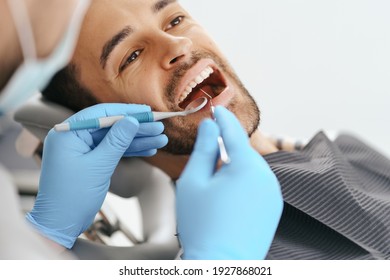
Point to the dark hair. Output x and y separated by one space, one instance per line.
65 89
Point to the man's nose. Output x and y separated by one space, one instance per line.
174 50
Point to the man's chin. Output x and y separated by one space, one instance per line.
178 147
181 135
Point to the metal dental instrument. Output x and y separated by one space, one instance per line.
221 144
97 123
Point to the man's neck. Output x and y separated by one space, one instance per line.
173 165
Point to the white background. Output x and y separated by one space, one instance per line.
311 65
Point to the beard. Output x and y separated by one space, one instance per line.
182 132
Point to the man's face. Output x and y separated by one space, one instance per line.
152 52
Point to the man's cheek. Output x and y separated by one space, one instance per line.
203 41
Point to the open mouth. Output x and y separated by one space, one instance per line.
210 80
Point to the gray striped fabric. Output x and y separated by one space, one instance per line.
337 201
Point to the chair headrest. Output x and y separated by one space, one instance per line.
39 115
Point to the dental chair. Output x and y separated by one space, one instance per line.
132 178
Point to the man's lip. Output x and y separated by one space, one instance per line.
192 73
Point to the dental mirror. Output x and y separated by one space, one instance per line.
196 105
191 108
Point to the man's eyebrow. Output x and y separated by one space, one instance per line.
112 43
161 5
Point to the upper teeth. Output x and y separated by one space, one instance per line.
196 81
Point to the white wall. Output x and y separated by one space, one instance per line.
310 64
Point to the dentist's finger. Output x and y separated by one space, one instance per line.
203 159
234 135
144 144
145 130
118 139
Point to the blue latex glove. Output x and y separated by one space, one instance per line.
77 167
232 213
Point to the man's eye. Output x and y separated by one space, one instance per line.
129 60
175 22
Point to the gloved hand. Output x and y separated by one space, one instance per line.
231 213
77 167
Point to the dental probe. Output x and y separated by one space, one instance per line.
221 144
103 122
